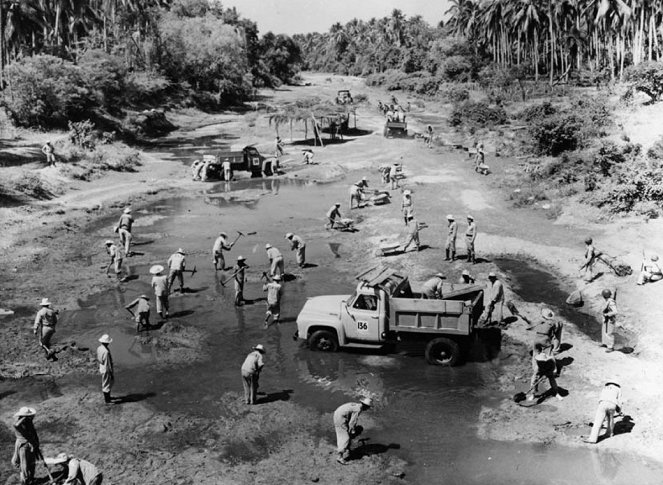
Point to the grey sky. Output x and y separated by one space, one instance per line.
301 16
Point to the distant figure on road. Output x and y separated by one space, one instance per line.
49 151
610 402
429 136
251 369
227 170
297 244
106 367
26 447
345 424
44 326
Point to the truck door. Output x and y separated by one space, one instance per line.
253 160
361 321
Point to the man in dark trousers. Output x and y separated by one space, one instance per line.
26 448
44 326
345 424
77 470
251 369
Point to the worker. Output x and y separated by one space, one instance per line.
44 326
413 234
77 471
142 313
590 259
609 321
26 447
545 366
251 369
452 232
240 277
204 171
363 183
429 136
650 270
345 424
610 402
384 172
496 299
297 244
279 147
49 151
227 170
479 159
275 260
116 254
161 290
332 214
470 237
220 245
390 115
548 332
356 195
308 156
176 267
195 169
393 176
105 360
432 289
407 205
124 226
274 291
466 278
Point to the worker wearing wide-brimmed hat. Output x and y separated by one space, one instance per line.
332 214
176 267
466 277
610 402
116 254
496 305
239 275
297 244
161 291
470 237
274 291
220 245
77 471
26 447
142 313
548 332
452 232
432 288
105 360
407 206
44 326
123 227
251 368
276 265
345 424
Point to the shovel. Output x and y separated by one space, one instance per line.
521 396
514 311
192 271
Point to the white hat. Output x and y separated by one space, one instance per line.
241 258
223 234
366 401
58 460
289 235
337 204
654 257
407 192
144 296
105 339
364 178
547 313
127 210
439 275
492 275
259 348
470 217
156 269
276 277
465 273
267 246
181 251
108 242
45 302
450 217
25 411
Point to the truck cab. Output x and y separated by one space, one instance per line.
248 159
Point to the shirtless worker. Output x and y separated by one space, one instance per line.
297 244
275 260
345 424
142 313
160 286
274 291
332 214
220 245
432 289
176 267
44 325
26 447
124 226
452 232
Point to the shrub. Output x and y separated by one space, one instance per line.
536 112
646 77
146 87
104 75
30 184
556 134
81 134
656 150
453 93
477 114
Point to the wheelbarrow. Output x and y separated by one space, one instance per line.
344 224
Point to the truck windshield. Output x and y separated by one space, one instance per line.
366 302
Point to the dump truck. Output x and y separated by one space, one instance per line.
396 129
383 311
248 159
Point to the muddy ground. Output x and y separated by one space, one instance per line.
159 435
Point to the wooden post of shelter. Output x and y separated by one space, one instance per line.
316 132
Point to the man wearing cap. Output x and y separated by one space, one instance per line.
452 232
650 270
413 234
240 277
610 402
251 368
466 278
142 313
105 360
116 254
345 424
176 267
77 471
356 195
332 214
275 260
227 170
124 226
161 290
609 321
297 244
26 447
470 237
274 291
45 322
220 245
590 259
432 288
407 205
496 299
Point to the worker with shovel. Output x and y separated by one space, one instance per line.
44 326
345 424
297 244
177 266
610 402
545 366
274 291
276 265
26 447
548 333
332 214
161 291
220 245
77 470
142 313
496 300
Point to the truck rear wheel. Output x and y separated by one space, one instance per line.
323 340
442 351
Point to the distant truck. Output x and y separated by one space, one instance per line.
395 129
248 159
384 310
344 97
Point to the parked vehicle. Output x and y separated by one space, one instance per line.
384 310
248 159
396 129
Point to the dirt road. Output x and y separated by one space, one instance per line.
181 419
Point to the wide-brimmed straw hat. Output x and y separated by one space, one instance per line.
465 273
45 302
127 210
156 269
470 217
223 234
181 251
25 411
439 275
241 258
547 313
259 348
450 217
105 339
289 235
276 277
108 242
144 296
268 246
492 275
366 401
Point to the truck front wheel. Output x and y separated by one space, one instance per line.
323 340
442 351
